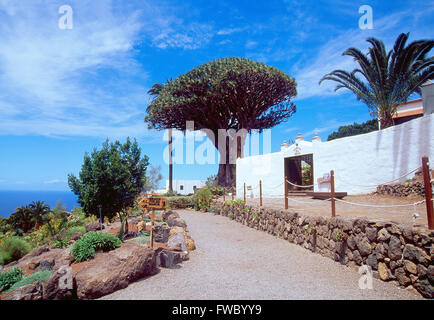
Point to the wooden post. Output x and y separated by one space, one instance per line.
151 240
260 193
286 192
224 194
233 193
332 185
244 192
428 192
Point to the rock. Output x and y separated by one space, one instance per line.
176 230
141 226
383 271
425 288
372 261
36 252
161 233
430 273
60 284
363 245
93 226
380 251
176 222
167 214
190 244
177 242
357 257
64 258
168 259
31 291
351 242
371 233
75 236
414 253
402 277
394 251
46 264
114 270
410 267
383 235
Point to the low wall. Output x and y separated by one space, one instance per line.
403 255
402 189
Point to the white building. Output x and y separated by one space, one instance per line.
360 162
185 186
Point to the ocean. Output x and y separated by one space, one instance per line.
9 200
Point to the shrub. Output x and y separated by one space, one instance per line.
13 249
7 279
180 202
41 276
202 199
87 245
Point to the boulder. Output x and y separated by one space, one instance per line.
167 214
31 291
47 264
161 233
75 236
414 253
64 258
363 245
60 284
93 226
177 242
114 270
382 270
176 230
190 244
394 250
36 252
176 222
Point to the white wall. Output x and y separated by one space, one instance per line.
187 185
360 162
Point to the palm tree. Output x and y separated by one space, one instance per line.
391 77
39 211
21 218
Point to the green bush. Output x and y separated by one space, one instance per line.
13 248
180 202
7 279
202 199
87 245
41 276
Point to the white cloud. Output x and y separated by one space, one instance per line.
54 181
83 81
228 31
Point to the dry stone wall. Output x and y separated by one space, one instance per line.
402 189
401 254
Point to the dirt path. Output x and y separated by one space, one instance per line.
236 262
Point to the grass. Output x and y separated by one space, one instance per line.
41 276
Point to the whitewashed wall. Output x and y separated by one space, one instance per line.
187 185
360 162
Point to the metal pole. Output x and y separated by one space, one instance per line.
286 192
428 192
332 185
260 193
244 192
100 216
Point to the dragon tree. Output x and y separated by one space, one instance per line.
228 93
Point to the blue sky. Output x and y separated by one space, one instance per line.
63 92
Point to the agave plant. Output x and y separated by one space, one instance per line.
391 77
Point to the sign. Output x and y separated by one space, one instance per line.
153 203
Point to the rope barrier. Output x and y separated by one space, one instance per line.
305 202
299 186
376 185
380 206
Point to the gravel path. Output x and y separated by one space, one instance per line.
233 261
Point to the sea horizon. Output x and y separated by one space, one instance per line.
11 199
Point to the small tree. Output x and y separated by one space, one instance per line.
153 177
111 177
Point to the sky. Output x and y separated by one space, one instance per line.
64 91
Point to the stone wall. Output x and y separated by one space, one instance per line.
396 253
402 189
